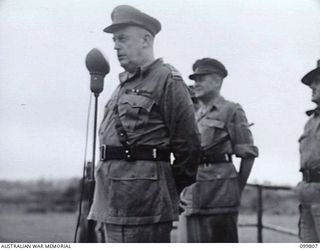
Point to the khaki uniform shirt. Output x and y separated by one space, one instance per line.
310 144
155 109
310 159
224 130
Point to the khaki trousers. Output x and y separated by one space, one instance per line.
149 233
212 228
309 223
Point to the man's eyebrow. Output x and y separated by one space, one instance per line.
119 36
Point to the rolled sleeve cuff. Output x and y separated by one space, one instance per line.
246 150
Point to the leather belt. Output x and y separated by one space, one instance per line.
221 158
311 175
143 153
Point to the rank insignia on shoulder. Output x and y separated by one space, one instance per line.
175 73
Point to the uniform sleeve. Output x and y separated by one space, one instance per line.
241 136
184 136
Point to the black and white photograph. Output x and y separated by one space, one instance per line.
176 121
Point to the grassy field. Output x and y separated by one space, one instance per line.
50 227
59 227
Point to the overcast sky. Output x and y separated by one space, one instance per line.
266 45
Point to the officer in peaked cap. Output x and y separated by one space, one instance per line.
309 188
136 194
212 203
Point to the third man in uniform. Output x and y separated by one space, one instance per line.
309 188
212 203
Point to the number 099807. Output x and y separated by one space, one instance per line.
309 245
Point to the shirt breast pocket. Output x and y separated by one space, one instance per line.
135 110
212 130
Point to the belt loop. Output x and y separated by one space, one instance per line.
154 153
307 175
103 152
226 156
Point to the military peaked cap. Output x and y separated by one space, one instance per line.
125 15
207 66
309 77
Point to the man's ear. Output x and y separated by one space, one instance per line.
218 79
147 40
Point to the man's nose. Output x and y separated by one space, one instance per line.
313 85
116 46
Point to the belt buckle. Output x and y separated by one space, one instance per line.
103 152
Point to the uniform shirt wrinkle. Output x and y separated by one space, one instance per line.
310 144
224 129
142 192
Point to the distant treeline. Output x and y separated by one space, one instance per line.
43 196
40 196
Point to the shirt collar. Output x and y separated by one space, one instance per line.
216 103
147 68
143 70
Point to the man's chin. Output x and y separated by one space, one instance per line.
122 63
128 67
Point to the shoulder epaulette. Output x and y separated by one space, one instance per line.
174 72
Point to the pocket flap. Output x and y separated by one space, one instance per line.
134 171
216 171
215 123
138 101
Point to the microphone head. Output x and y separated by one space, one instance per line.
96 63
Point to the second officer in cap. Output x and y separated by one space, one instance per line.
212 203
149 116
309 188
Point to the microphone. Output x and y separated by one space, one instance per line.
98 67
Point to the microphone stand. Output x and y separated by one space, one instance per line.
98 67
94 139
91 235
